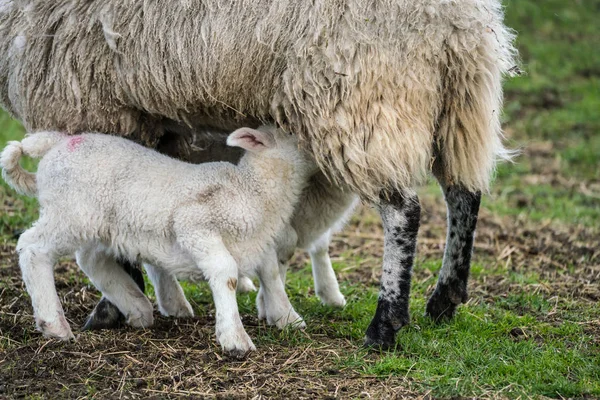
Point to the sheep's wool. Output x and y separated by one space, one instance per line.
381 91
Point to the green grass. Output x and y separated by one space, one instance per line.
521 343
18 212
557 101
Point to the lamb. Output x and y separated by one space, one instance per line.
217 223
380 93
322 210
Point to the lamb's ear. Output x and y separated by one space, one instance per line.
251 139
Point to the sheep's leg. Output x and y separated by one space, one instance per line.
221 271
115 284
169 294
37 263
245 285
451 288
106 315
400 214
326 284
272 301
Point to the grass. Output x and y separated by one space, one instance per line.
529 330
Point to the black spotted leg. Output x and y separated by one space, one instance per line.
106 315
400 214
451 288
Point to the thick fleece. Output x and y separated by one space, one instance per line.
104 197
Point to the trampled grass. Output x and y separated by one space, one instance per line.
531 328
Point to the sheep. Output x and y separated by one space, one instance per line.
103 197
322 210
380 93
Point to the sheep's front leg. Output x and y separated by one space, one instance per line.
169 294
106 315
37 263
400 214
272 301
221 271
451 288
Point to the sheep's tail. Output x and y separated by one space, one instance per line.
35 146
468 134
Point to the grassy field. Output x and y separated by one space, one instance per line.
531 328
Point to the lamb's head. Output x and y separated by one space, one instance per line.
270 143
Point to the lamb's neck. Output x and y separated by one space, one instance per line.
279 182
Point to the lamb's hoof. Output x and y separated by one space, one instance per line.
260 305
142 316
105 316
332 299
290 320
245 285
57 329
236 344
442 304
181 310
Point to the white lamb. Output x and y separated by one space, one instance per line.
103 196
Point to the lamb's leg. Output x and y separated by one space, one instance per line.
326 284
115 284
37 260
451 288
221 271
272 301
400 214
285 245
169 294
245 285
106 315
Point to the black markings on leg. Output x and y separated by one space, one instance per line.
451 289
401 217
106 315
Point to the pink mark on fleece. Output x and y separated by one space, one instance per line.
74 142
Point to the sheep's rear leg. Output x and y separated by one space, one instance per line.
116 285
451 288
169 294
37 260
106 315
400 214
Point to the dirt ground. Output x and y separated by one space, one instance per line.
180 358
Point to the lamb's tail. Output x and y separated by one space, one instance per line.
35 146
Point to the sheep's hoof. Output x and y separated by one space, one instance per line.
142 316
245 285
290 320
236 344
442 304
380 338
181 310
335 299
381 333
58 329
105 316
260 305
